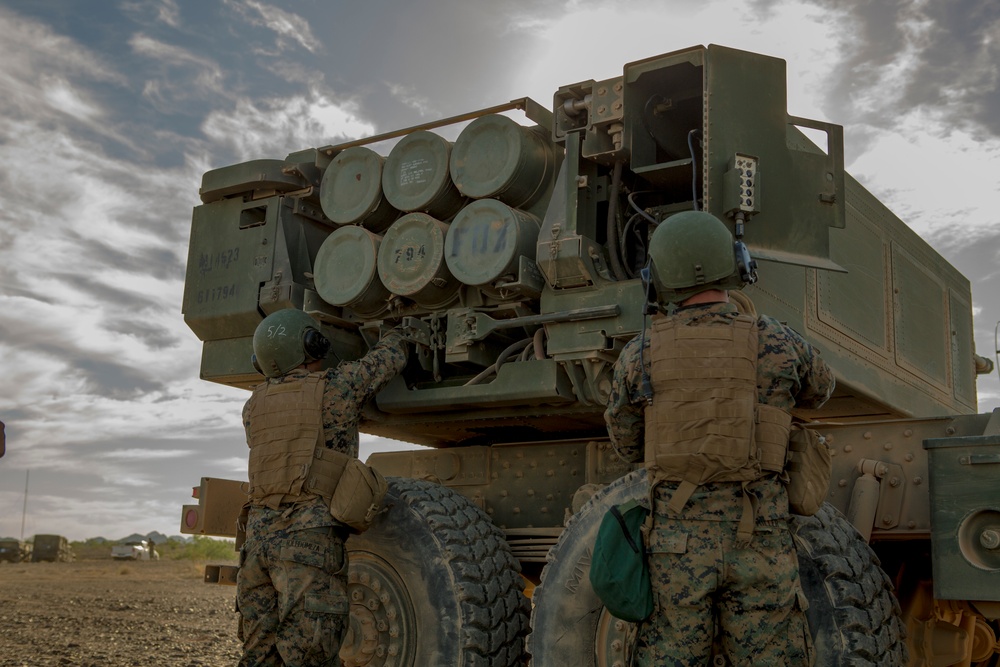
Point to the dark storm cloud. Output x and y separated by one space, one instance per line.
158 262
12 286
107 296
945 57
106 377
153 337
101 373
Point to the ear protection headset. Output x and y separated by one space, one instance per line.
316 345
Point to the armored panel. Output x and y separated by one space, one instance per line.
962 348
965 517
231 254
921 319
802 184
855 302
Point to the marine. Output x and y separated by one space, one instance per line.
302 429
704 398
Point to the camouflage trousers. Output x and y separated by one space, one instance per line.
291 593
708 588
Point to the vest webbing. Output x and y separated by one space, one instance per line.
289 460
705 424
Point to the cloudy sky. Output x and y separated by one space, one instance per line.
111 111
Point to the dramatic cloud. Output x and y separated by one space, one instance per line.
409 97
288 26
942 57
275 127
178 77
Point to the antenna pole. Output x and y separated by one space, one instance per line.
24 511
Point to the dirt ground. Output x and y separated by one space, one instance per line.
114 614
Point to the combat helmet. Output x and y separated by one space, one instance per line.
286 339
692 252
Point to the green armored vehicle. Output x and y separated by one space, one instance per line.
14 551
52 549
512 239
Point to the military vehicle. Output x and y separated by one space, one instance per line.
14 551
52 549
511 240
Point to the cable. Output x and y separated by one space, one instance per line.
501 358
631 202
614 250
538 343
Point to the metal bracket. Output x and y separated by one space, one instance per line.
221 574
892 491
472 326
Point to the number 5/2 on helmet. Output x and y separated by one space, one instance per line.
286 339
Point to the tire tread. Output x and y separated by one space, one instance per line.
486 576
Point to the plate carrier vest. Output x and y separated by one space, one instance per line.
289 459
705 423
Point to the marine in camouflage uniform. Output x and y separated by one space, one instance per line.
706 580
292 584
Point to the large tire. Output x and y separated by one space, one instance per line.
569 625
854 618
433 582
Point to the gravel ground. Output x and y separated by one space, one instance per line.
114 614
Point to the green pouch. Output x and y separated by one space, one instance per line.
618 571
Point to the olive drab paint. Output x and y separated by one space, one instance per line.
522 285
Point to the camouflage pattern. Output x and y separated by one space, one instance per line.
291 590
700 574
292 595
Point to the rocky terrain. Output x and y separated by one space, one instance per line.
110 614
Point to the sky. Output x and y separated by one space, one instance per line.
111 111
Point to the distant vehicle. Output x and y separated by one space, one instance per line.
14 551
51 548
133 550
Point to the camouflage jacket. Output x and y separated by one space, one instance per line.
790 373
349 387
